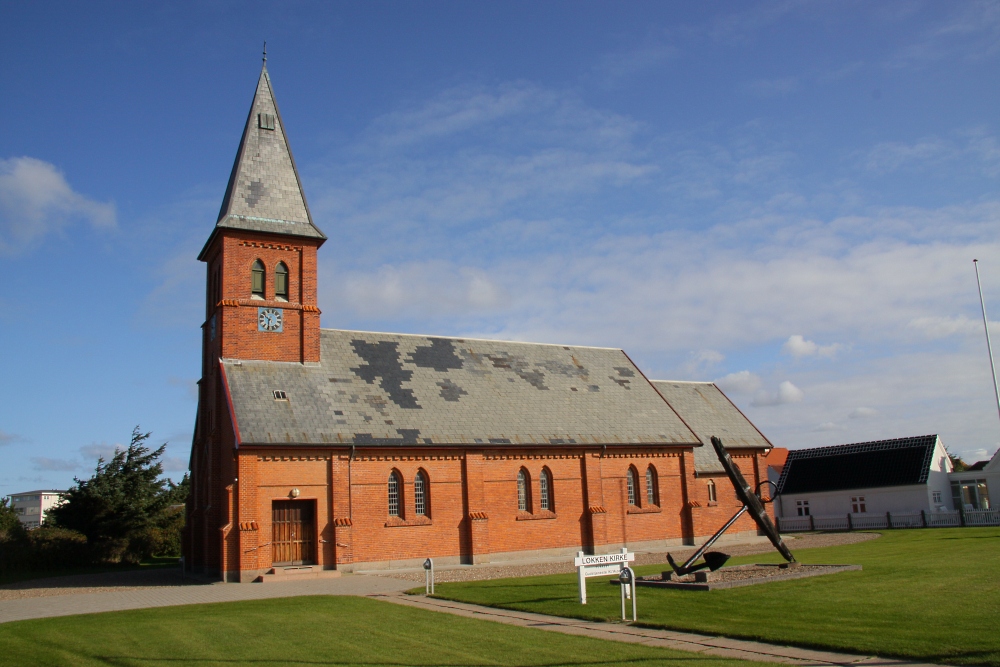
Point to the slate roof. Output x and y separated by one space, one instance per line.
863 465
398 389
708 411
264 192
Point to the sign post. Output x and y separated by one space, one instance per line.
628 589
603 565
429 577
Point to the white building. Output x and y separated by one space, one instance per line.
900 476
972 488
31 505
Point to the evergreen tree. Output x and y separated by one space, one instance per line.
119 508
10 525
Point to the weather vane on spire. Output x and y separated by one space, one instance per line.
265 52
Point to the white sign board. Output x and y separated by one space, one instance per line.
600 565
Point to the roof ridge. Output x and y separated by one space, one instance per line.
909 441
472 338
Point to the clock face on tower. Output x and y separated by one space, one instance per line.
269 319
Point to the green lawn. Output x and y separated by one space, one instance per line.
311 631
14 576
927 594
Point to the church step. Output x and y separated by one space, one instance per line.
296 573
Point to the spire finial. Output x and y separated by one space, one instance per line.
265 52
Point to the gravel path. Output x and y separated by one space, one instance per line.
159 578
104 582
483 572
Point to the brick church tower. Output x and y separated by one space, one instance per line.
260 299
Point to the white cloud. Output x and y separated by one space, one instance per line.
827 426
863 413
98 450
941 327
424 289
976 149
741 382
611 69
772 87
610 256
786 393
9 438
35 200
799 347
61 465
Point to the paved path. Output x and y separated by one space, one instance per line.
722 647
391 590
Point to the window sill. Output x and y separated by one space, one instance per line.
542 514
396 522
644 510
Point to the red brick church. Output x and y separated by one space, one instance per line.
357 450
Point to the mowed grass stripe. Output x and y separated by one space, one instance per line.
932 595
312 631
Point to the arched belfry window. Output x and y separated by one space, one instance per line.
711 491
395 494
523 491
545 487
257 280
631 480
421 495
652 491
281 281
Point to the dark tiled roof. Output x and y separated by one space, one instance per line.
264 192
398 389
708 412
978 465
862 465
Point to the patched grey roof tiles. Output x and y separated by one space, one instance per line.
394 389
710 412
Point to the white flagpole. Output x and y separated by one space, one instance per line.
986 326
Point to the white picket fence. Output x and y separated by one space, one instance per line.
868 521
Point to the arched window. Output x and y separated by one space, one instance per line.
711 491
523 491
633 483
281 281
395 494
421 497
652 490
257 280
545 486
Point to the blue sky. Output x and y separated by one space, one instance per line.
783 197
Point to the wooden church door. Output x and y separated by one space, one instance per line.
292 532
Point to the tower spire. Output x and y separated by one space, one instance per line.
264 192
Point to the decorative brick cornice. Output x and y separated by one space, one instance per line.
293 457
267 303
271 246
478 516
597 509
343 521
248 525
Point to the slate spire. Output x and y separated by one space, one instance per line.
264 192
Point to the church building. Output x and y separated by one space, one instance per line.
322 450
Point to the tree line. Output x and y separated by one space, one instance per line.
124 513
